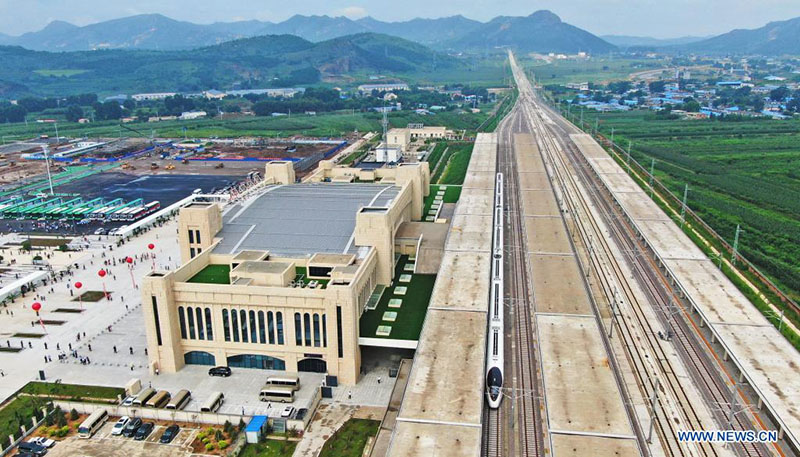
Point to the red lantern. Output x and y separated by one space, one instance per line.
101 273
36 306
151 246
78 285
129 260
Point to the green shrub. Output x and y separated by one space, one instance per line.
222 444
73 414
218 435
210 446
206 440
201 435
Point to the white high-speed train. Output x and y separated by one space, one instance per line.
494 349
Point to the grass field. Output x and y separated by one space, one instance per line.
72 390
458 155
349 441
597 69
269 448
451 195
744 173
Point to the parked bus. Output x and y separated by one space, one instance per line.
283 394
158 400
213 403
180 400
92 423
290 380
143 396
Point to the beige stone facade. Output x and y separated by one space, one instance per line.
291 313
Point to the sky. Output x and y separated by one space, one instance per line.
655 18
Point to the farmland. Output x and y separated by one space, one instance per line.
597 70
738 172
329 124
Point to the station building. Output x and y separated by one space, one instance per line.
278 280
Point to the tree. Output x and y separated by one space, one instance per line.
74 112
657 86
779 94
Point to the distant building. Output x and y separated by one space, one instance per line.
153 96
189 115
584 86
285 92
214 94
368 88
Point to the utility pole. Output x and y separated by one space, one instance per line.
596 124
47 163
683 207
58 139
736 243
612 137
652 166
581 124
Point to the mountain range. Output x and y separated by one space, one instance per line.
775 38
627 41
262 61
542 31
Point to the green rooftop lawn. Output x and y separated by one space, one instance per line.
410 315
213 274
451 195
269 448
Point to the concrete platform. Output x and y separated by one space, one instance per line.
772 363
462 282
582 446
669 240
527 154
470 233
581 392
444 382
606 165
620 182
558 286
480 180
475 202
720 303
482 159
640 207
539 203
414 439
534 180
547 235
588 145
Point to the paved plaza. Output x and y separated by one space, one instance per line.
123 316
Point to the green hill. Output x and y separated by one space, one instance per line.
272 60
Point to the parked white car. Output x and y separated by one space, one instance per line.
42 441
287 411
120 425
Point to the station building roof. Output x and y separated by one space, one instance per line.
300 219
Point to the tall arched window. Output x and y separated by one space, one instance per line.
271 327
209 330
190 318
261 330
279 318
317 336
324 332
253 331
243 318
307 328
298 330
182 320
235 325
201 334
226 326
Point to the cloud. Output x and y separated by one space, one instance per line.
353 12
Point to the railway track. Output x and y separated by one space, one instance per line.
516 427
716 386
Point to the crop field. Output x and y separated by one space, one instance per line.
597 70
322 125
745 172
